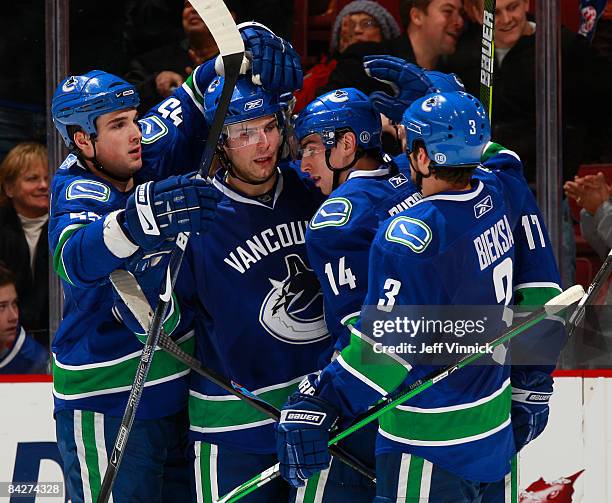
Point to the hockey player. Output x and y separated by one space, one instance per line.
19 353
259 312
430 448
96 229
98 222
340 140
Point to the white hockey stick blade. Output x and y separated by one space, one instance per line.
130 292
570 296
221 25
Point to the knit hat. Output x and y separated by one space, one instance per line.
388 26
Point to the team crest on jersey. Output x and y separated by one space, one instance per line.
483 206
293 310
410 232
153 128
333 212
88 189
398 180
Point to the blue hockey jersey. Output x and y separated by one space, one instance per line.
448 249
339 236
259 310
24 356
94 355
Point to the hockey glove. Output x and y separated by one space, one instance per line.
408 82
302 434
531 392
274 63
590 12
157 211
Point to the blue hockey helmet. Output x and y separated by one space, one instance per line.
80 99
248 102
453 126
346 108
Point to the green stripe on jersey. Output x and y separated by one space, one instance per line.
535 296
466 420
380 368
491 150
58 259
415 475
229 413
71 382
195 92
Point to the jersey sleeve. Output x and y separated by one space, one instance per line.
338 250
85 238
174 131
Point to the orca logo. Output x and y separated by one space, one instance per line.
213 85
339 96
440 158
429 103
70 84
293 309
251 105
364 136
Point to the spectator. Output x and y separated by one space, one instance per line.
514 91
19 353
361 28
594 196
24 212
432 29
158 72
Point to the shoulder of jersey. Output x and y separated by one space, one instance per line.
72 184
411 229
497 157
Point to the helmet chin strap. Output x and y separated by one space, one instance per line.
98 165
338 171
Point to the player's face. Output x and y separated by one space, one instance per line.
252 148
192 22
118 143
29 193
510 22
442 24
9 315
313 163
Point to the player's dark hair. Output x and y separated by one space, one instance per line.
371 153
407 5
457 175
6 276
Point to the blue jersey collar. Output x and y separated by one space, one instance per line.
220 183
371 173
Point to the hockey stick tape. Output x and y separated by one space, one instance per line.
564 299
244 67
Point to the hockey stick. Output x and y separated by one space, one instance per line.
134 298
487 61
594 288
555 305
225 33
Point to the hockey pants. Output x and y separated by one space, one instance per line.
154 468
405 478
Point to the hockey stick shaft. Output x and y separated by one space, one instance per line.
134 298
228 39
558 303
487 56
592 292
